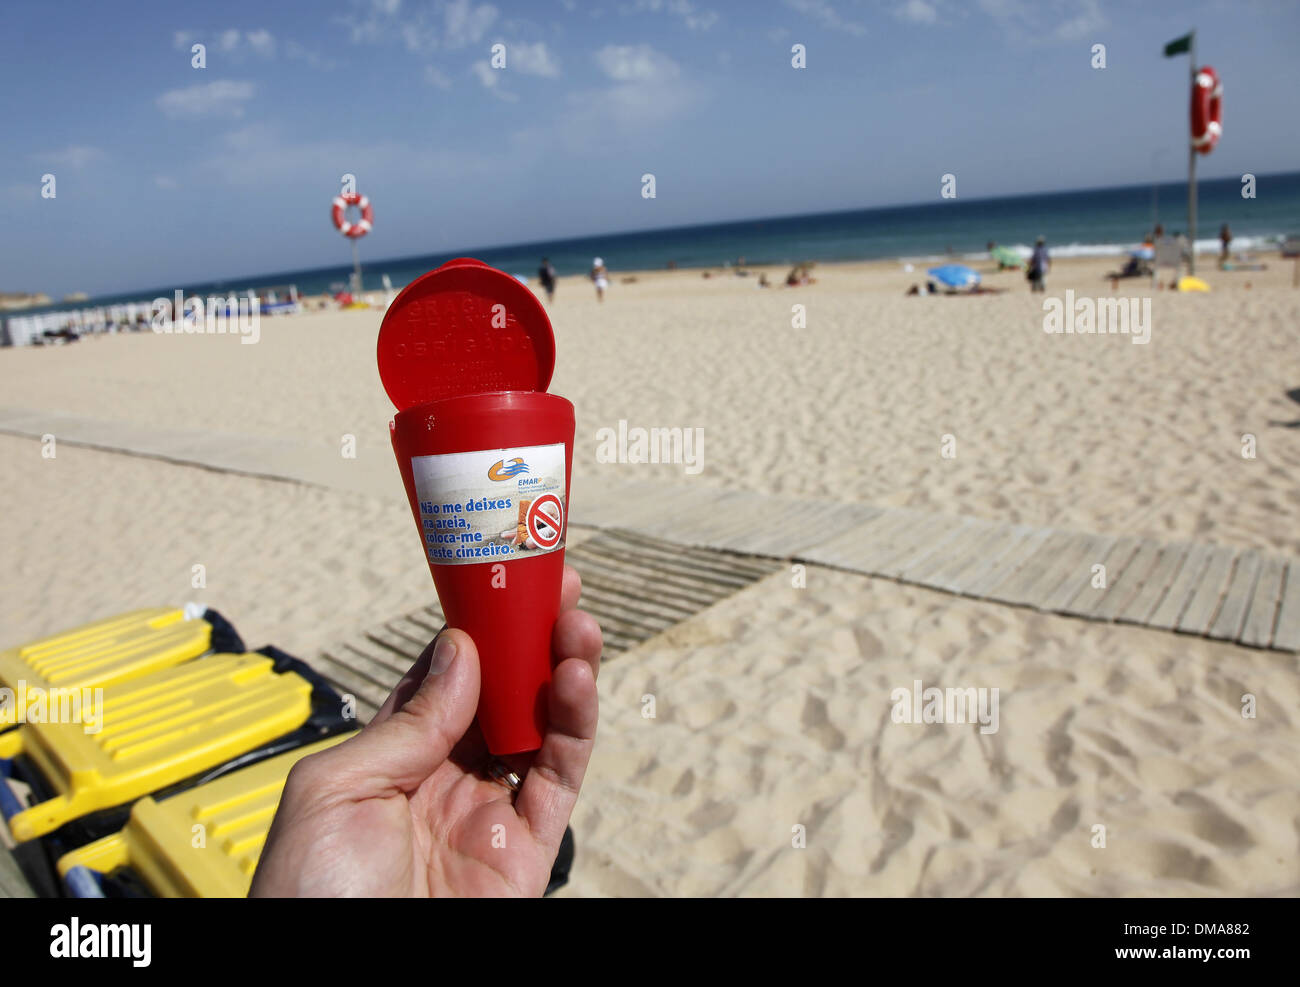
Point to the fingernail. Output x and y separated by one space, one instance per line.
443 653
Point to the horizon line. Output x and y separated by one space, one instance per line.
472 251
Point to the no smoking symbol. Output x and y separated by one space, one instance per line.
545 528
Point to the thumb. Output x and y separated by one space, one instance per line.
400 749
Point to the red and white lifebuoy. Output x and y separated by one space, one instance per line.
362 226
1207 110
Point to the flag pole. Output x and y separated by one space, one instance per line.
1191 173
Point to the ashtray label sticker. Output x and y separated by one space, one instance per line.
492 505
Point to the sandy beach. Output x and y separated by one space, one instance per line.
773 705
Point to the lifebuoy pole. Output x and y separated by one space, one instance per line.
353 231
1191 171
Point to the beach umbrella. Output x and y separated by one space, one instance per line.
955 275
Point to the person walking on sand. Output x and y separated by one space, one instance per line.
1039 262
546 275
600 278
1225 237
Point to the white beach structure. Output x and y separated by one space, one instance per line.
27 330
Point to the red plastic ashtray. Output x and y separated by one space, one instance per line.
465 328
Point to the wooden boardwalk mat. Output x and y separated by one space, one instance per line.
1230 594
1224 593
634 585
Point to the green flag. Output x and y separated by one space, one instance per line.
1179 46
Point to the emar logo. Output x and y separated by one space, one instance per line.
500 470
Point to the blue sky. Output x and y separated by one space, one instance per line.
166 172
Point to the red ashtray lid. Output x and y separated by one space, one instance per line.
465 328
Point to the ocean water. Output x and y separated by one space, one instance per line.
1090 222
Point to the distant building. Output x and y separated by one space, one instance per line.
22 299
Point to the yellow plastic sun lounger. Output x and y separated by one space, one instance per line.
201 843
152 732
99 654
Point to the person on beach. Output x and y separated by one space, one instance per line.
1225 237
1039 262
600 278
546 275
406 808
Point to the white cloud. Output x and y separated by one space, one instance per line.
1049 20
1085 23
1000 9
466 23
826 15
636 63
422 28
224 97
491 78
377 21
73 156
917 11
634 107
418 35
532 59
692 16
257 154
646 91
435 77
701 20
315 59
261 42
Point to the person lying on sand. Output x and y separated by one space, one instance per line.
1136 267
977 289
799 275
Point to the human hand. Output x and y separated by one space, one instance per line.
404 809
